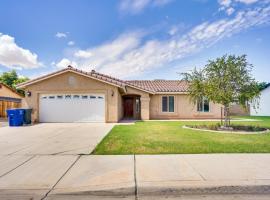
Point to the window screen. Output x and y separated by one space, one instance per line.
171 103
164 104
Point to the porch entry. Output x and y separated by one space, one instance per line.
131 107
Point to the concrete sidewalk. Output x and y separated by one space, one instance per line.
130 177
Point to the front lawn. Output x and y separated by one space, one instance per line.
159 137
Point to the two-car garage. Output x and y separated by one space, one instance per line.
72 108
71 95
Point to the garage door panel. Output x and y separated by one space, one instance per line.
72 108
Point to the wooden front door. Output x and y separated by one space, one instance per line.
128 108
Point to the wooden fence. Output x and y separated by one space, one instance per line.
6 104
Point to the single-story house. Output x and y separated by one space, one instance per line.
9 98
264 104
72 95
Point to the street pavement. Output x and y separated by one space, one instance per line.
130 177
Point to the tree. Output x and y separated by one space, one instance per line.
263 85
225 80
11 79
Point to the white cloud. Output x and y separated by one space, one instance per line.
110 52
229 5
13 56
137 6
65 63
60 35
247 1
71 43
230 10
130 54
83 54
225 3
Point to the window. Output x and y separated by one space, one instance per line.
59 96
92 97
84 96
76 96
137 103
100 97
68 96
44 97
51 97
203 105
168 104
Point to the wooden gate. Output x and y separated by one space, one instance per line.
7 103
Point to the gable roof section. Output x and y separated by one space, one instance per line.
93 74
11 89
149 86
162 86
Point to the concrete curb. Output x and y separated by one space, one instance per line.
172 191
114 192
230 132
195 190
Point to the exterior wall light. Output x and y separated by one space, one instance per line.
28 93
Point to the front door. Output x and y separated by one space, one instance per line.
128 108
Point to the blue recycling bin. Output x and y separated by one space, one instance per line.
15 117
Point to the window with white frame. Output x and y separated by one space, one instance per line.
203 105
167 103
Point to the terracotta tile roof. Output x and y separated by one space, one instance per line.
161 85
151 86
93 74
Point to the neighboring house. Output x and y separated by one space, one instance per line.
9 98
264 104
238 110
72 95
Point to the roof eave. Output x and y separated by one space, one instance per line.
23 85
184 92
138 88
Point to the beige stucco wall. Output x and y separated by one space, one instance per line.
77 84
184 109
6 92
120 107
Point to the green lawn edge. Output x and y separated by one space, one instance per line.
168 137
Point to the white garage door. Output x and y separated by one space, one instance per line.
72 108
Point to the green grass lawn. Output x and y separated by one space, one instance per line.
159 137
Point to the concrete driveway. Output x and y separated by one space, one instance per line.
52 138
3 122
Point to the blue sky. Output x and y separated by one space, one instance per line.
132 39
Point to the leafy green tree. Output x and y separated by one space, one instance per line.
225 80
263 85
11 79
